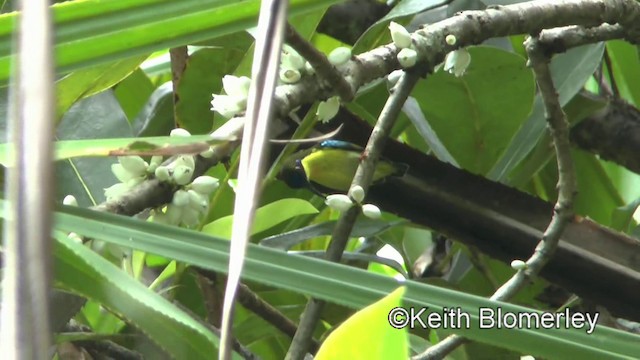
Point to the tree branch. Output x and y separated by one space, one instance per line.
539 59
342 230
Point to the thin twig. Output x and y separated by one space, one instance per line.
212 285
179 57
363 177
539 58
612 78
320 63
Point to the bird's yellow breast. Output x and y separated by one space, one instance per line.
335 168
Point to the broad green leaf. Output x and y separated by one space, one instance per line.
267 216
94 32
569 72
133 92
476 115
626 69
576 110
411 108
382 341
86 82
160 145
343 285
96 116
82 271
202 77
157 117
379 31
597 197
622 217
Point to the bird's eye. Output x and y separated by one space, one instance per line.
299 165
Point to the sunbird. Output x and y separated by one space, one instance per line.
330 166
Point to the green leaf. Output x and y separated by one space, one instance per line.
569 72
343 285
476 115
576 110
622 216
133 92
382 341
82 271
87 178
156 117
597 197
86 82
625 61
202 77
266 217
363 227
93 32
378 31
160 145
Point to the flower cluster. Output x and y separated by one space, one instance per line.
130 171
407 56
456 62
235 101
341 202
189 202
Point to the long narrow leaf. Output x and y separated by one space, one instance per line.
343 285
92 32
83 271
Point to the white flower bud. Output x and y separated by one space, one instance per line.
339 56
518 265
291 59
185 160
180 198
456 62
133 164
160 218
121 173
115 191
450 39
236 86
182 174
174 214
180 132
205 185
190 217
75 237
407 57
339 202
371 211
135 181
228 106
207 154
357 193
162 173
327 110
309 69
70 200
400 35
154 163
197 201
289 76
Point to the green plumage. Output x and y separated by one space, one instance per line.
331 166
